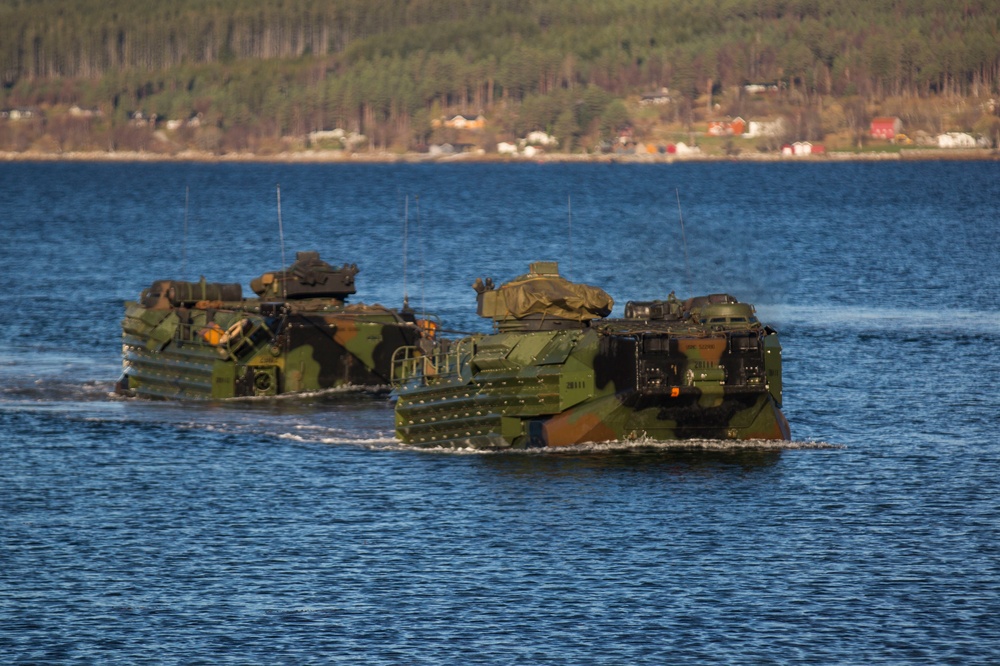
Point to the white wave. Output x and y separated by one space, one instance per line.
359 390
638 444
859 317
326 435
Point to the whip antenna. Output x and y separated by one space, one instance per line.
420 243
680 216
184 243
281 238
569 216
406 239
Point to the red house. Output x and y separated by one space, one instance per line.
727 128
886 128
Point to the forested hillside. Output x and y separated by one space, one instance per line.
261 70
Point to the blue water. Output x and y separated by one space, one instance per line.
301 531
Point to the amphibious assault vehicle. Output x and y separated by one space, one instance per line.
556 372
203 340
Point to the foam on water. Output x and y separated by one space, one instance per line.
865 317
641 445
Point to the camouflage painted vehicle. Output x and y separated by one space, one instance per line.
202 340
555 372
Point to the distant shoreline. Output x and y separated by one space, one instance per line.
340 157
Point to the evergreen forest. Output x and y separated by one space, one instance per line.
255 73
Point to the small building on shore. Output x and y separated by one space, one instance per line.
462 122
886 127
802 149
764 128
657 98
733 127
956 140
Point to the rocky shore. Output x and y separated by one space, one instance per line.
337 156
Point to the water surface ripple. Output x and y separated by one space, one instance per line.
301 531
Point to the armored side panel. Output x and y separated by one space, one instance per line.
351 348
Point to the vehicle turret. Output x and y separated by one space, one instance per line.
721 310
308 277
670 309
541 300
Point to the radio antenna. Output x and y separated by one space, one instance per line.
680 216
406 240
184 249
420 243
569 223
281 238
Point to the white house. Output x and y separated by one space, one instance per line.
683 149
772 128
540 139
662 96
802 148
78 112
956 140
349 140
759 88
328 135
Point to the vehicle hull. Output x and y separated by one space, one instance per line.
183 353
607 383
